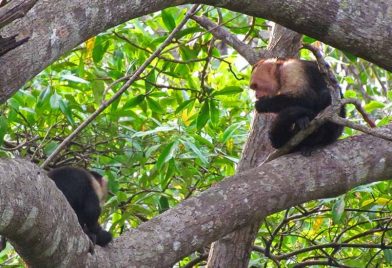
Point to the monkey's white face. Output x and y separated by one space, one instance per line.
273 77
264 79
100 188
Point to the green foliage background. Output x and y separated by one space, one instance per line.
181 127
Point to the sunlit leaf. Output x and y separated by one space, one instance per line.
98 88
308 40
55 100
153 131
168 20
373 105
74 78
228 91
90 43
379 201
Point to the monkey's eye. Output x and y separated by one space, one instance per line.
253 86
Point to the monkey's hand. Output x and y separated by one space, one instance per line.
301 123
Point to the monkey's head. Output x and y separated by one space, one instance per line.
277 76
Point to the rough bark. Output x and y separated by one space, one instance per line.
55 27
36 218
234 249
8 14
198 221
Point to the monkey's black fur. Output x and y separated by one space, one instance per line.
76 185
296 109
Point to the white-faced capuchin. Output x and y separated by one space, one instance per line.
85 191
297 92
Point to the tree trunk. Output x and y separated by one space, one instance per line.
234 249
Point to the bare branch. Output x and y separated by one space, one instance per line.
220 33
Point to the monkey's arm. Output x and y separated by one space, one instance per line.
92 210
289 122
278 103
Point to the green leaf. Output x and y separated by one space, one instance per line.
186 53
230 131
388 255
100 47
350 56
187 31
133 102
154 131
3 128
43 96
214 112
228 91
374 105
154 105
167 154
163 204
184 105
168 20
308 40
203 116
64 107
74 78
350 94
338 210
98 88
55 100
203 141
196 150
50 147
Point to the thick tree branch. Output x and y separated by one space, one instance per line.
9 13
25 195
65 23
234 249
37 219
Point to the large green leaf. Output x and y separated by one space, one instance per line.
168 20
229 90
167 154
203 115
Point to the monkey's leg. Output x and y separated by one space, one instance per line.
289 122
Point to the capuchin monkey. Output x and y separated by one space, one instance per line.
85 191
296 91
